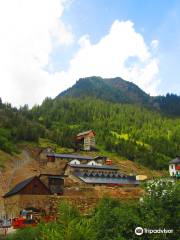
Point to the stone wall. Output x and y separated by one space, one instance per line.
49 203
15 203
82 197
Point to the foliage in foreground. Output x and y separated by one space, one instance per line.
116 220
25 234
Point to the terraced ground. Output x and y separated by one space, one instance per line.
21 166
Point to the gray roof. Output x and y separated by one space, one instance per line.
125 180
100 157
55 177
176 160
52 175
84 133
69 156
19 187
104 167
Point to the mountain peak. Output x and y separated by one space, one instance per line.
118 90
109 89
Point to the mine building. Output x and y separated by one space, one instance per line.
86 141
95 174
62 174
74 158
42 155
31 186
55 183
33 192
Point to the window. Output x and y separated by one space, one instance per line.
56 185
35 189
172 166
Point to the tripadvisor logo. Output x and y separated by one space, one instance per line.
139 231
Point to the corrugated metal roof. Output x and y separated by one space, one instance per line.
52 175
129 180
104 167
69 156
19 187
84 133
176 160
101 174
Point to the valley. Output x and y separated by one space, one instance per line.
132 135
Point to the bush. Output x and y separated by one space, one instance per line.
30 233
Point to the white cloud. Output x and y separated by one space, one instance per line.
28 32
122 52
30 29
154 44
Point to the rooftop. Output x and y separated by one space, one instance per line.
84 133
117 180
20 186
70 156
52 175
176 160
100 167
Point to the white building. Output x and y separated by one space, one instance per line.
174 167
75 161
94 163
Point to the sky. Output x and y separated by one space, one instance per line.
47 45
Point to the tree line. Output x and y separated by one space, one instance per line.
152 139
130 131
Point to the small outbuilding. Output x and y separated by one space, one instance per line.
86 140
55 183
174 167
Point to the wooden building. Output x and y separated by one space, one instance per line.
33 192
42 155
86 140
32 186
55 183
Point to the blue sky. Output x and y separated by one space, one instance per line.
47 45
155 19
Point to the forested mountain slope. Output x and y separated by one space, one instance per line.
15 126
124 117
110 89
131 131
120 91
